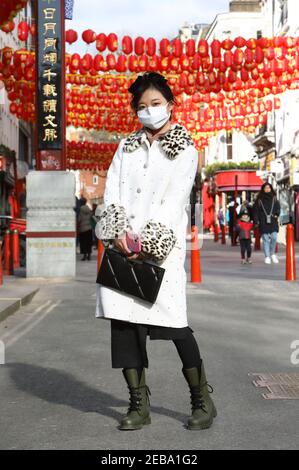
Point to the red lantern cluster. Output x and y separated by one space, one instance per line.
227 83
10 8
90 155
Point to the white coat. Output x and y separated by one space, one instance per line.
152 186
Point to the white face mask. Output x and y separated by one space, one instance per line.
154 117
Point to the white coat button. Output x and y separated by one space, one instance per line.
145 165
138 190
132 216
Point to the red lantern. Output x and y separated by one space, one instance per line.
165 47
240 42
112 42
23 31
111 61
251 43
259 55
150 45
71 36
216 48
185 63
227 44
139 45
97 62
228 58
143 63
127 45
203 48
89 36
101 42
177 47
7 26
190 48
238 57
121 65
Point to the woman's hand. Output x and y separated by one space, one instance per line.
121 245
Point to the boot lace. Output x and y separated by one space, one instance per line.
197 400
136 397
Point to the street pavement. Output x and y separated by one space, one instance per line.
58 390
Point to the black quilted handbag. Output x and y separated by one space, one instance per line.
138 278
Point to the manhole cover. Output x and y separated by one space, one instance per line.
280 385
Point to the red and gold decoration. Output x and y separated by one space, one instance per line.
222 85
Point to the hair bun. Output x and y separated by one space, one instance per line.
147 77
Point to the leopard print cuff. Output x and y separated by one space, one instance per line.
157 240
112 222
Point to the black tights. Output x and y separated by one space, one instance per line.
188 351
128 346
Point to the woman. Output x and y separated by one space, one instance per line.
266 213
85 230
148 185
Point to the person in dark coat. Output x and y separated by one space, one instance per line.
266 213
85 230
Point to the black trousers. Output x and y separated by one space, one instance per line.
86 242
245 246
128 345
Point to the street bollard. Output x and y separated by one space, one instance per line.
1 270
8 264
216 233
100 252
15 249
257 244
290 254
223 237
195 256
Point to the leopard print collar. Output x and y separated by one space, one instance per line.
173 142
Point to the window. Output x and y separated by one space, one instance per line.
259 34
95 179
229 146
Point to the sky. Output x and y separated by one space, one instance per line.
156 18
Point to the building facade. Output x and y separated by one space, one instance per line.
277 144
247 19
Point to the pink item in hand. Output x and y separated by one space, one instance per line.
133 242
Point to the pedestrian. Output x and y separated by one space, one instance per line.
246 207
220 217
266 213
85 230
147 189
93 225
233 208
244 227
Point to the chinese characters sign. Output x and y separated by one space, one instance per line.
50 69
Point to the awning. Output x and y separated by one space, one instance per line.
244 180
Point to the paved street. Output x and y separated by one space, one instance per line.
58 390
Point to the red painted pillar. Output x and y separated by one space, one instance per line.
290 254
15 249
8 263
257 244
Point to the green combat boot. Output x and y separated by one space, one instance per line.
139 412
203 408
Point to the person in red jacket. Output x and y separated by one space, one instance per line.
244 227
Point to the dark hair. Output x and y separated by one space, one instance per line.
83 201
262 192
150 80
